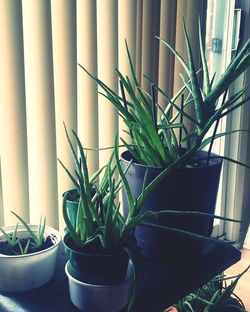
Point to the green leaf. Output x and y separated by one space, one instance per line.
70 175
206 82
84 165
25 250
134 75
177 55
182 232
11 238
198 101
32 234
233 71
73 151
70 227
230 110
195 122
219 135
231 160
124 180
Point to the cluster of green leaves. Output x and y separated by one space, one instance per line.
11 238
99 220
36 238
215 296
159 142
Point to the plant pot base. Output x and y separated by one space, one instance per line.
100 298
89 263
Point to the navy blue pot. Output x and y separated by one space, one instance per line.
191 188
93 266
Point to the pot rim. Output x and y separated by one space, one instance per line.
69 191
217 160
48 231
88 254
128 278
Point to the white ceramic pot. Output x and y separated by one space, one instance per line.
25 272
100 298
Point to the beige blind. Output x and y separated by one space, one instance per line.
87 115
41 86
107 60
186 10
166 58
13 135
1 200
40 111
63 16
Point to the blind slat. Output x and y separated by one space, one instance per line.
148 28
13 145
87 89
189 11
166 58
1 199
40 111
65 85
126 11
107 43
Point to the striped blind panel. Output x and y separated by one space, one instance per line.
41 86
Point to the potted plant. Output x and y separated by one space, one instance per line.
215 296
103 266
99 242
27 255
187 176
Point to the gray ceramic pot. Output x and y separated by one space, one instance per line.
25 272
100 298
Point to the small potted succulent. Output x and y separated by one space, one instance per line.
98 241
215 296
161 146
103 266
26 251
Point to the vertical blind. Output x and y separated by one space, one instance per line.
42 87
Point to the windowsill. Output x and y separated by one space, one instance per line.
169 281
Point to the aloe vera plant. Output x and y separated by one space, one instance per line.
36 238
11 238
99 218
217 295
99 221
159 142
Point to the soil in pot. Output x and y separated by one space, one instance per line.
95 265
5 249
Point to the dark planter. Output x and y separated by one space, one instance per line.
95 267
72 205
191 188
